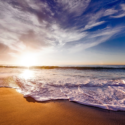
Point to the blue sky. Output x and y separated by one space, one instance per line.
62 32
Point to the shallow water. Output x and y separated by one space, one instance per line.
103 88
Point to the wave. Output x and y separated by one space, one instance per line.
104 89
106 94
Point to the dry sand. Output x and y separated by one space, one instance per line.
17 110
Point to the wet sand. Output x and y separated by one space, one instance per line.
17 110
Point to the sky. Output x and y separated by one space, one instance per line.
62 32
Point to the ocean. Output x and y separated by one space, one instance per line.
99 86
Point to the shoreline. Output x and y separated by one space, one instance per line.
15 109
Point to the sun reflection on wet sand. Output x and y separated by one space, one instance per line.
27 74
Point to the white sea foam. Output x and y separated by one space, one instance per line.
83 87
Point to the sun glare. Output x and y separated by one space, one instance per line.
28 60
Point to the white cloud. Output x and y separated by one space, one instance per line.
106 32
94 24
74 6
39 6
110 12
16 24
93 19
65 35
123 6
21 30
95 39
119 15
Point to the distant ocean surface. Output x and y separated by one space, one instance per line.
102 87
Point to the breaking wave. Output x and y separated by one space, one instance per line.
73 85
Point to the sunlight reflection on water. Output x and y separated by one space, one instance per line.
27 74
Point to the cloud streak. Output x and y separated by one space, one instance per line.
35 25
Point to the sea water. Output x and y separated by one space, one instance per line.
104 88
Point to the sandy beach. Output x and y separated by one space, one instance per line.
17 110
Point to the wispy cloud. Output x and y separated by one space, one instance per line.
110 12
119 15
36 25
120 12
94 38
123 6
93 25
76 7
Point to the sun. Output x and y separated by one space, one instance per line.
28 59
